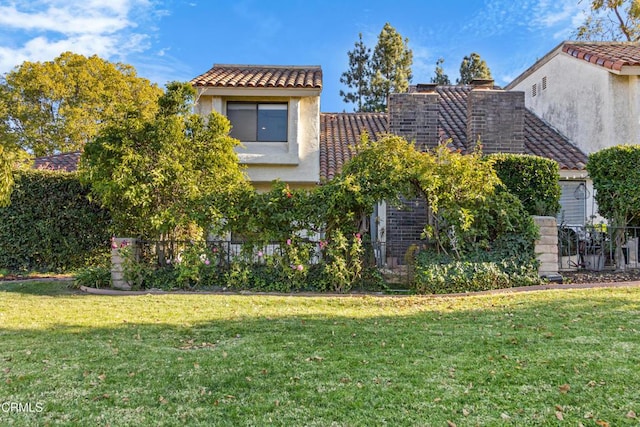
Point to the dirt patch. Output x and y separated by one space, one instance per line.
604 276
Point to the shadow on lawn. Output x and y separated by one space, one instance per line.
41 287
460 360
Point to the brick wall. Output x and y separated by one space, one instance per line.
414 116
497 118
404 228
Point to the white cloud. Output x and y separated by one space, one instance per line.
43 29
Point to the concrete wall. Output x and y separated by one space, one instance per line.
547 246
594 108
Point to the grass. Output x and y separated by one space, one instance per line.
539 358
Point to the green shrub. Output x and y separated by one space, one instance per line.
534 180
435 274
93 277
51 225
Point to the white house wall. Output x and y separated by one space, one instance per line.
296 162
591 106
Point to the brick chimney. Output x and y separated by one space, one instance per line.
414 116
496 118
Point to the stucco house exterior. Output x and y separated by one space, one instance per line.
316 144
589 92
275 113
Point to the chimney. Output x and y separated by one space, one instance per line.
426 87
414 116
495 117
482 83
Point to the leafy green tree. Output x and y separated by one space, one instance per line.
381 170
358 76
473 67
534 180
390 66
440 77
60 105
611 20
616 179
164 174
6 177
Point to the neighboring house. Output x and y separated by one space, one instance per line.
590 92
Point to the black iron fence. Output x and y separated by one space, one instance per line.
598 247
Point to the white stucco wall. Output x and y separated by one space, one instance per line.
297 161
594 108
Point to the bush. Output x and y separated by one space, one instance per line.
435 274
534 180
51 226
93 277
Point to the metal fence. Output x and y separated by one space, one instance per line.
598 247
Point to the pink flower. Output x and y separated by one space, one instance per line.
260 254
323 244
124 244
300 267
289 242
114 245
168 260
215 249
358 236
207 262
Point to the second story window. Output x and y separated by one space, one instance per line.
259 122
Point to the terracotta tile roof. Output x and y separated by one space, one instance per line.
610 55
540 138
262 76
340 131
63 162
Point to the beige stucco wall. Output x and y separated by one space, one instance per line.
296 162
594 108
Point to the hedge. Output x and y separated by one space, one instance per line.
534 180
50 225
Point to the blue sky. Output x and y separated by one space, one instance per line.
169 40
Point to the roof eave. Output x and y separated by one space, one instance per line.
257 91
539 63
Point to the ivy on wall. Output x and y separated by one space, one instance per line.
50 224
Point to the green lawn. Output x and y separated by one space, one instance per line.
539 358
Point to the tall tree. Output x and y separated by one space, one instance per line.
59 105
162 174
609 20
473 67
391 67
358 75
440 77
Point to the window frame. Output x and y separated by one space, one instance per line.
255 125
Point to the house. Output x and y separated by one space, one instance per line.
275 113
589 92
316 145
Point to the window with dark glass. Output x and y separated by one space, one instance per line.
255 121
